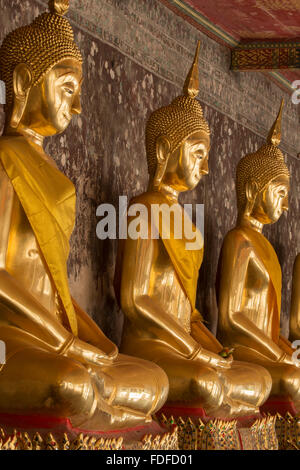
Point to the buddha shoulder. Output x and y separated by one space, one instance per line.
148 198
237 240
5 182
10 143
7 146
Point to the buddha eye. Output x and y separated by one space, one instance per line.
198 154
69 88
282 194
69 91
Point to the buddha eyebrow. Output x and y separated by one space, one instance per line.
198 146
66 72
68 79
281 187
70 75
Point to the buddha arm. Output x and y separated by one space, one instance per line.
285 345
19 309
89 332
236 255
295 303
202 335
144 309
24 310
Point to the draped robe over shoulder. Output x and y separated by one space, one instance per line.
249 299
156 280
39 376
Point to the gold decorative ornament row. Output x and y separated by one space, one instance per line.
194 434
267 433
25 441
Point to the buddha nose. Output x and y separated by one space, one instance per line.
285 205
205 169
76 106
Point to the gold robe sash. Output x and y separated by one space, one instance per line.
186 262
48 199
267 255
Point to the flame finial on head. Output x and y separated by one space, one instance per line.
192 85
60 7
274 137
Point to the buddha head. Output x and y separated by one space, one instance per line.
178 139
262 180
41 67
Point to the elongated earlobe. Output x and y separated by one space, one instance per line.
251 193
22 82
162 154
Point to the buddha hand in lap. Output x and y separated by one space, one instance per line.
159 274
58 361
249 275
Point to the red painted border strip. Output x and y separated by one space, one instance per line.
50 422
279 404
181 410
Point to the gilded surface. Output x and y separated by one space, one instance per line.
58 361
103 152
295 302
249 277
195 434
159 279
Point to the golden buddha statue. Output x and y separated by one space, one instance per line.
249 274
58 361
295 302
158 275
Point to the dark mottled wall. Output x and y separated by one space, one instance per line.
136 55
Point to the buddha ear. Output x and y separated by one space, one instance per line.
22 82
251 193
251 190
163 147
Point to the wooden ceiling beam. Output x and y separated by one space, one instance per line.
266 55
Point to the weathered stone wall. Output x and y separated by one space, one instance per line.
137 54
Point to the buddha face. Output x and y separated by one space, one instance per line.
188 163
51 104
271 202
